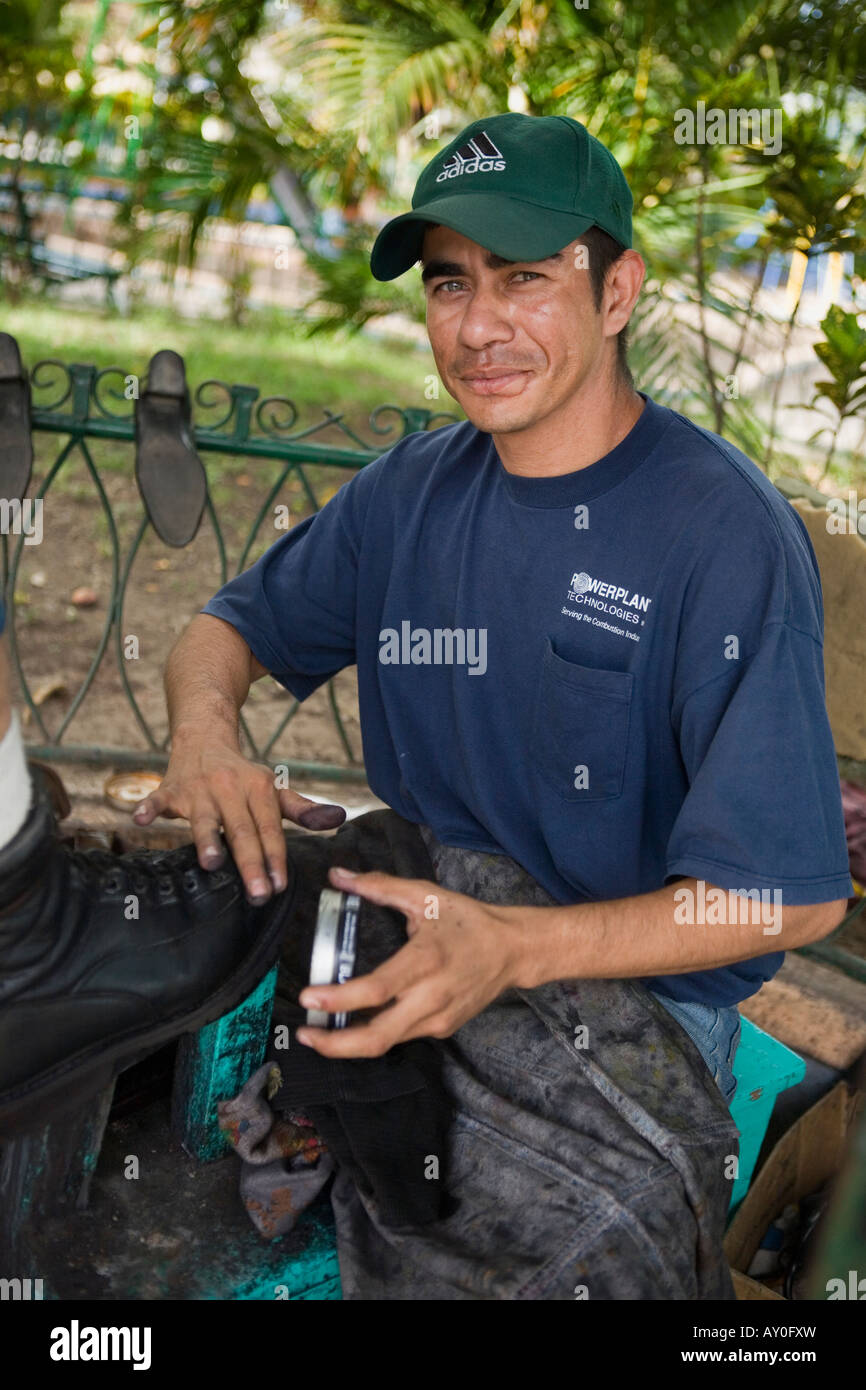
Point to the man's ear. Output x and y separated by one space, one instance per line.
621 289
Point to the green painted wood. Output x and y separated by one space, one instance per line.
213 1065
47 1171
763 1067
312 1276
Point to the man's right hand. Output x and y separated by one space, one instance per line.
217 786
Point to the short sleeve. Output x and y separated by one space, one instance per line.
764 806
296 606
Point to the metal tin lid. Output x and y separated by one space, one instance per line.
124 790
334 949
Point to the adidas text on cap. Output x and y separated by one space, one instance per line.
521 186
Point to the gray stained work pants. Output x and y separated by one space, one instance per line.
591 1149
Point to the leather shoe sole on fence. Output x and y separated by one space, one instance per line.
16 446
170 475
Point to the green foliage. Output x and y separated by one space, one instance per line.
817 191
359 94
34 41
843 354
348 297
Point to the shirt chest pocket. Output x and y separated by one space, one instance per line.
580 729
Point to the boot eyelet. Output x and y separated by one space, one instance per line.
190 881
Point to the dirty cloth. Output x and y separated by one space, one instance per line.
285 1163
590 1153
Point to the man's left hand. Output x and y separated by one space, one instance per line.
461 954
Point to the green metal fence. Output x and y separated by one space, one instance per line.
80 403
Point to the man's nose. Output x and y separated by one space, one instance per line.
486 319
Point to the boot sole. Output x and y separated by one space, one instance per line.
171 477
77 1080
16 445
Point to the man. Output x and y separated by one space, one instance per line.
589 641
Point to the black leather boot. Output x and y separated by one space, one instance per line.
104 958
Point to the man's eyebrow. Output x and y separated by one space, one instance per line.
434 269
494 262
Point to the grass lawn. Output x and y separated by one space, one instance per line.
353 374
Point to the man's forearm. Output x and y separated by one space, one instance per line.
651 934
207 680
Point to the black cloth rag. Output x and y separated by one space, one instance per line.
386 1118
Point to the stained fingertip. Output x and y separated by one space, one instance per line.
322 817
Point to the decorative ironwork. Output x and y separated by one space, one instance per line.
227 392
122 395
39 384
244 419
82 402
267 415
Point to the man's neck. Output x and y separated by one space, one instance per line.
584 430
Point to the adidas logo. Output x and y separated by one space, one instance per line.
478 156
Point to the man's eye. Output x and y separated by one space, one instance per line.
447 284
532 274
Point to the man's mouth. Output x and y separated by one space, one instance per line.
494 380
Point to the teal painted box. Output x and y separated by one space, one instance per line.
763 1067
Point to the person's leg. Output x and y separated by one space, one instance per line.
572 1174
715 1032
15 785
588 1153
5 675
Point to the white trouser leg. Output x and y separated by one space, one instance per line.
15 785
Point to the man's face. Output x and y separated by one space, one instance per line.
512 341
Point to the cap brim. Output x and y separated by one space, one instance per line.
515 230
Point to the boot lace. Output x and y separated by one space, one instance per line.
157 875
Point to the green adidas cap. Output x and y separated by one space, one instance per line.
522 186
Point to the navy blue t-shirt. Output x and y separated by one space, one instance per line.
615 675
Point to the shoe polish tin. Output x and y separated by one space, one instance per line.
334 949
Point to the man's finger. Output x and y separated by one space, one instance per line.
205 826
157 804
388 981
408 895
266 813
246 847
312 815
405 1019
